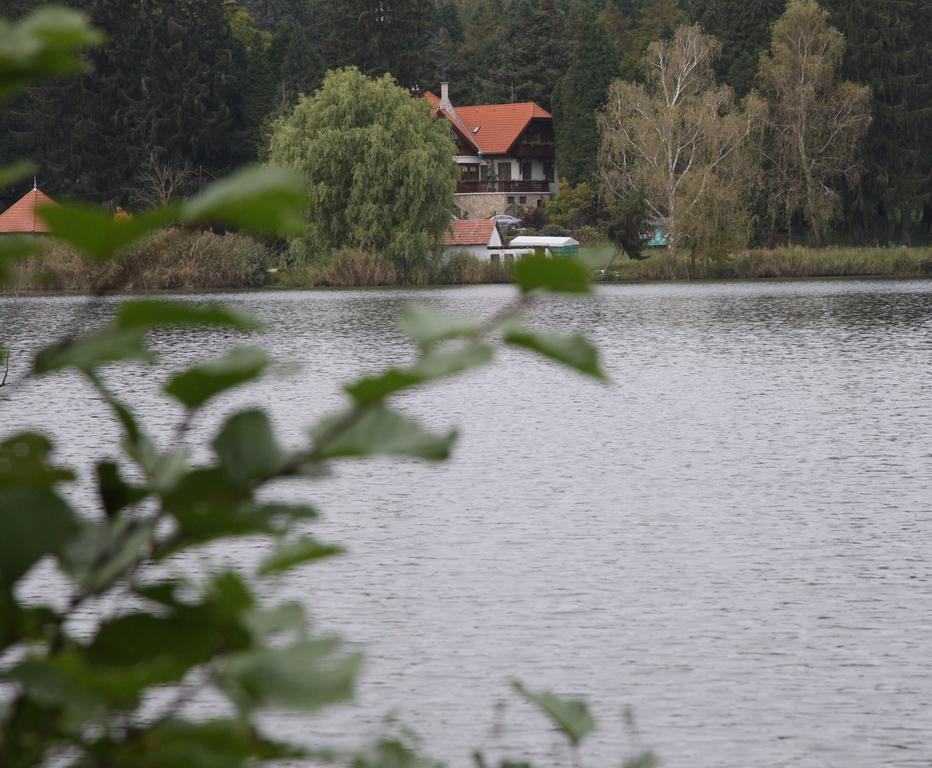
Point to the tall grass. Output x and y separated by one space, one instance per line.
349 268
189 261
173 259
779 262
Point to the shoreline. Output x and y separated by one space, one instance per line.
233 264
33 293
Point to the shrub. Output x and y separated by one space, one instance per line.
534 217
574 207
587 235
173 259
554 230
463 269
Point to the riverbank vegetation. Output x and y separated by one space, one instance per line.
793 262
171 260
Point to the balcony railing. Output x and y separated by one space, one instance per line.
465 187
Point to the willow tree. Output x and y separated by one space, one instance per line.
379 168
815 123
679 141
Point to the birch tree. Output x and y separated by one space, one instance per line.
815 124
679 141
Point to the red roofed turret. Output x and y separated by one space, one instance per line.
23 217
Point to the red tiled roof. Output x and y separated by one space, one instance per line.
23 215
499 125
469 232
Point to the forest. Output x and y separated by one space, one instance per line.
185 90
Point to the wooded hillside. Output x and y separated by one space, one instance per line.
185 89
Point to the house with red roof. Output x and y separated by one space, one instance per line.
23 216
505 153
477 237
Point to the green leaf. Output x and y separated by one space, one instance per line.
434 365
646 760
393 753
261 199
168 468
570 716
115 493
557 275
24 463
34 520
304 550
375 430
286 618
248 449
306 676
211 744
11 174
43 44
102 552
426 325
94 349
572 350
167 645
18 622
195 386
99 234
207 507
148 314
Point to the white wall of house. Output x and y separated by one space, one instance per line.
481 252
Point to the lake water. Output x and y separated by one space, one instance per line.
733 541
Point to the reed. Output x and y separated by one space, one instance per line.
776 263
171 260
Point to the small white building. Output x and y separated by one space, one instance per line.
475 237
556 246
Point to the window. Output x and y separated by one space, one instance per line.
504 171
549 170
526 170
470 172
522 200
511 199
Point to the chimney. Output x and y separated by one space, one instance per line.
445 97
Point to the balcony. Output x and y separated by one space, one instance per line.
503 187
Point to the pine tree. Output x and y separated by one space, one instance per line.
536 51
186 104
656 20
256 74
582 91
446 34
377 37
482 57
296 57
743 28
889 48
163 86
